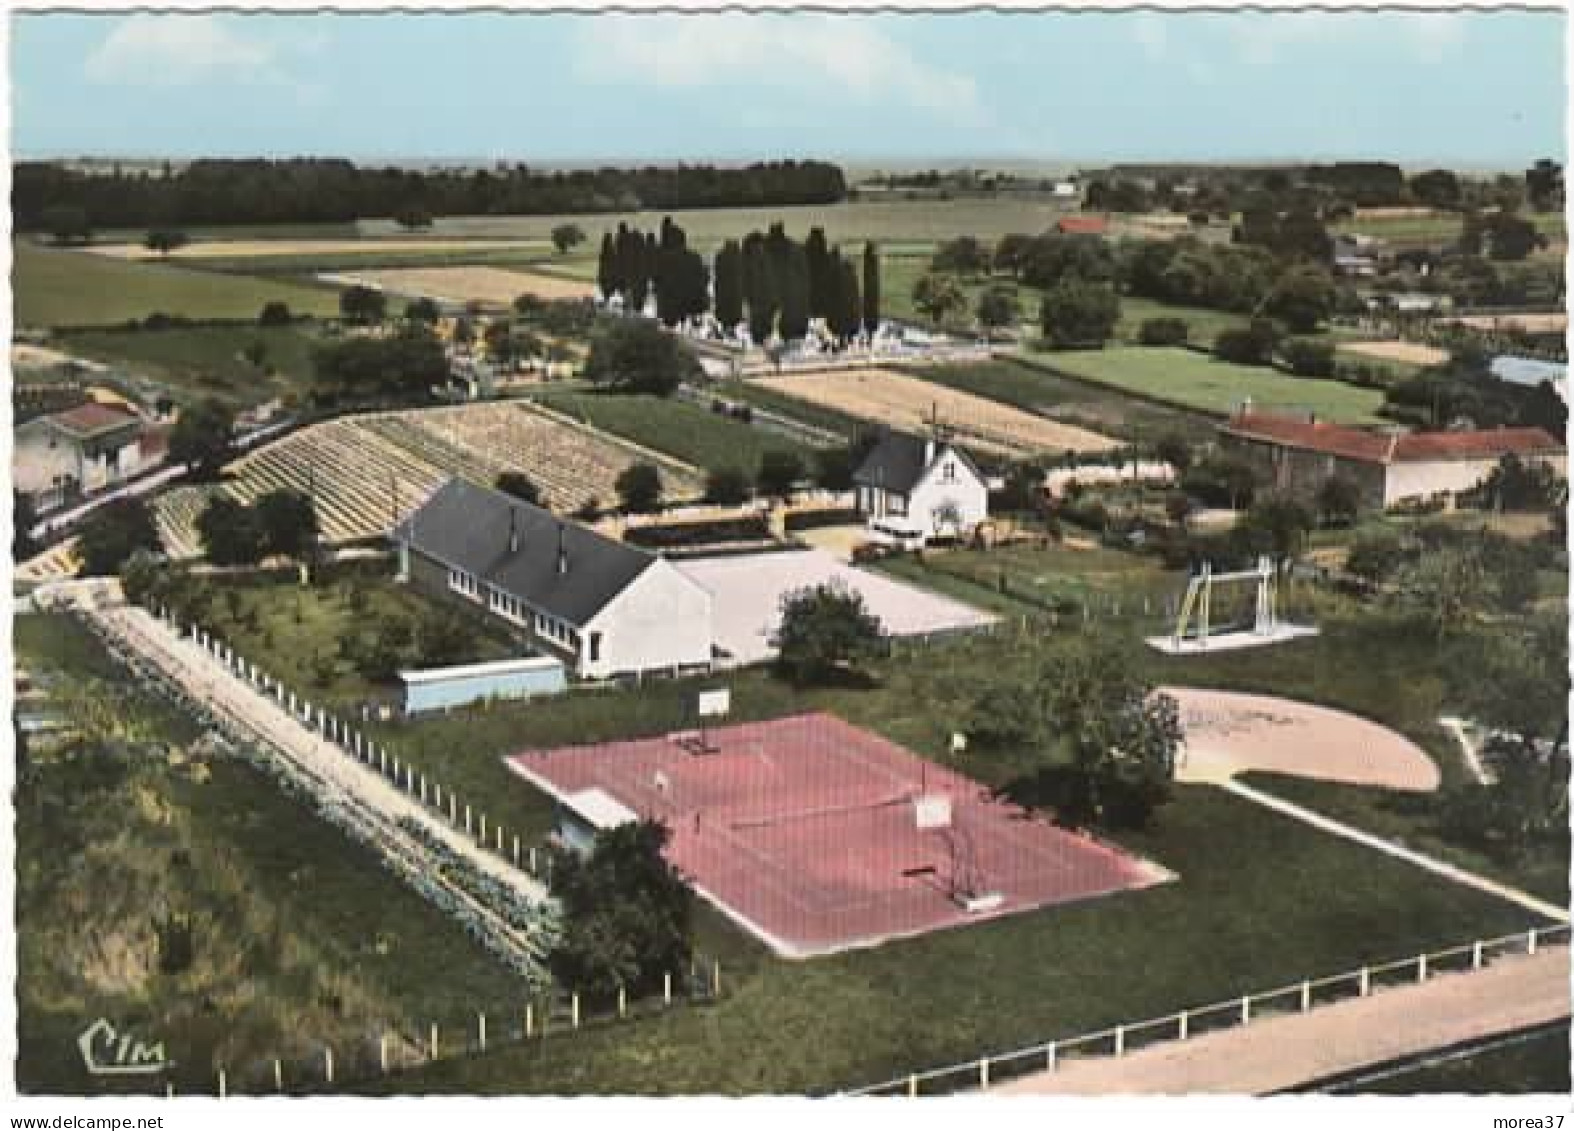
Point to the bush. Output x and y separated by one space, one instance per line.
1163 332
1306 357
275 314
1253 345
727 486
751 529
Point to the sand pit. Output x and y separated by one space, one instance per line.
246 249
1411 353
1228 733
491 285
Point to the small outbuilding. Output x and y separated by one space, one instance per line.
439 689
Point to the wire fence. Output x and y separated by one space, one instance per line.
1300 997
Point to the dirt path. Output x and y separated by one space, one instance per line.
379 803
1284 1051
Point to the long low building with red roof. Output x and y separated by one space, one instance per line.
1297 454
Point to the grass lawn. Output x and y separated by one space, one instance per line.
1534 1063
1412 820
203 361
686 431
302 937
1204 384
78 288
288 628
1032 389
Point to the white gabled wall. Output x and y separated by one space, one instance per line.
662 620
968 492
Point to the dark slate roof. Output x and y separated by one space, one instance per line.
467 527
896 463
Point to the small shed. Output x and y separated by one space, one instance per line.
580 816
438 689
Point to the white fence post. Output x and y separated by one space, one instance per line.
223 1085
983 1073
1050 1057
382 1053
666 979
623 1002
1185 1024
1306 996
1246 1009
574 1010
1530 942
516 861
912 1084
1366 981
1475 955
432 1043
1421 968
480 1026
327 1064
278 1075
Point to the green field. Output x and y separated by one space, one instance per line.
1024 384
79 288
1438 228
920 222
206 361
1202 383
1526 1064
686 431
301 936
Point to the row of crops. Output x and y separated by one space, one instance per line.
368 472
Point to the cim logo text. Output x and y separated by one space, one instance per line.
108 1052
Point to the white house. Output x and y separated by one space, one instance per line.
605 608
86 448
935 486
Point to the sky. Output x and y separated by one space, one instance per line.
1477 90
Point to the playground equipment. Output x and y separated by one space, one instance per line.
1194 626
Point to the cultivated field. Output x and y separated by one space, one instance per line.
1202 383
854 221
1410 353
240 248
909 403
491 285
368 472
78 288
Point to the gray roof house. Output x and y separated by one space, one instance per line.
607 608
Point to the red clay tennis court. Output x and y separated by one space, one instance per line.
818 836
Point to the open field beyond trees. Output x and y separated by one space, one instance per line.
1205 384
883 396
349 248
78 288
367 472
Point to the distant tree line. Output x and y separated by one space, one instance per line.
309 190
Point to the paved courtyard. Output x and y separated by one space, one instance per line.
747 591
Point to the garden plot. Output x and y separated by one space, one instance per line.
910 404
368 472
489 285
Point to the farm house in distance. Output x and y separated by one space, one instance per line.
933 485
606 608
83 449
1298 454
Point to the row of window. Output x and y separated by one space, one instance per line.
512 608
